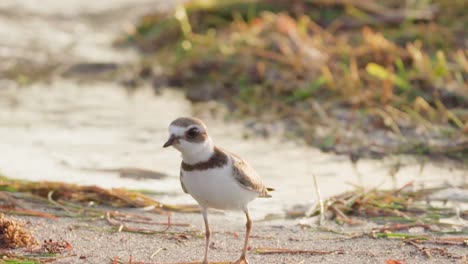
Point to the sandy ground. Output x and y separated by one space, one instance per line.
98 246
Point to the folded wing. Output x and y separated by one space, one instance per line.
248 177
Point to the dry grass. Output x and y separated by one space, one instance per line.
70 196
349 76
406 207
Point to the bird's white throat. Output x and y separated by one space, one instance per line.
192 152
195 152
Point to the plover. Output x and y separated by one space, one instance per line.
214 177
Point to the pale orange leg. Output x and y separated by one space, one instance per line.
248 225
207 234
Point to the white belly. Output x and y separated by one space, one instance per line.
217 188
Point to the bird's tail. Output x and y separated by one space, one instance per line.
266 194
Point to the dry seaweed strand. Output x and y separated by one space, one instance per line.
269 251
60 194
20 211
70 197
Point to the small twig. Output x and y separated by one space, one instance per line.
126 216
169 222
402 236
147 221
192 262
460 241
235 234
319 197
424 250
426 239
121 227
156 252
19 211
341 215
428 252
265 251
401 227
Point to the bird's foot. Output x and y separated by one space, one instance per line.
242 261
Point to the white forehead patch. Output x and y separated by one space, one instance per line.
177 130
180 131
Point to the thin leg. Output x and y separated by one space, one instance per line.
248 226
207 234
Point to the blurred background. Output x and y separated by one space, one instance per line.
357 93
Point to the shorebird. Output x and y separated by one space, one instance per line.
214 177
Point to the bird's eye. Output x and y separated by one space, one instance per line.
192 133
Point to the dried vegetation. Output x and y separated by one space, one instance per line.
14 235
84 203
404 205
397 212
360 77
74 198
403 208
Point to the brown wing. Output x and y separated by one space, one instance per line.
247 177
181 183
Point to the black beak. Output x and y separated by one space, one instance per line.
170 141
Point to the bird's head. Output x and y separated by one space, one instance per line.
189 136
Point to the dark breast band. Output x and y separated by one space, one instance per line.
218 159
